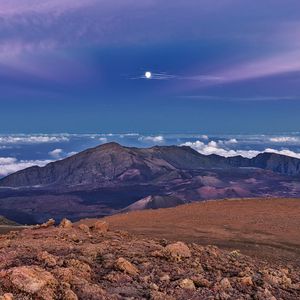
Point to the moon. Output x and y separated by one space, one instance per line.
148 75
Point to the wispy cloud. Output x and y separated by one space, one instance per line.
272 65
235 98
156 76
15 7
153 139
168 76
32 139
285 139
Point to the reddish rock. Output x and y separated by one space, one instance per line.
84 228
101 226
178 250
187 284
7 296
247 281
49 223
70 295
125 266
225 283
199 281
79 265
155 295
47 259
65 223
90 270
30 279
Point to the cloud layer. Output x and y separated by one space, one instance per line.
10 165
32 139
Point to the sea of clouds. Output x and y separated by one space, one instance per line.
20 151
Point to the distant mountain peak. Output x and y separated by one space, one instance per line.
112 163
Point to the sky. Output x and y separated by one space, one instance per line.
218 67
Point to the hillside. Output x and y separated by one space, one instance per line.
265 228
72 262
109 163
111 178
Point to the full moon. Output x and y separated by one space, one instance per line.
148 75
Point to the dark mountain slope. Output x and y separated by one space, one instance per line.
277 163
111 163
109 178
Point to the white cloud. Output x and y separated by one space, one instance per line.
32 139
7 160
284 139
216 148
9 165
204 137
56 153
154 139
231 141
103 140
284 152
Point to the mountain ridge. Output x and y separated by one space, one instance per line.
109 161
111 178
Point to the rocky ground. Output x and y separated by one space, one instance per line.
81 262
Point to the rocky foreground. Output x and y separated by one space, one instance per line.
79 262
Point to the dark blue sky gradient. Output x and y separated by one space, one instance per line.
77 66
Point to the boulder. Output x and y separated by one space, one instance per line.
101 226
178 250
49 223
47 258
65 223
187 284
7 296
84 228
125 266
70 295
225 283
30 279
247 281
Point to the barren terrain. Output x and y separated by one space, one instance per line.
80 262
264 228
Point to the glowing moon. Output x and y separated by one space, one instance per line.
148 75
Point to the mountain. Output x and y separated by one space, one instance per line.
109 163
109 178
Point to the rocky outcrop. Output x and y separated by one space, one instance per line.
65 223
101 226
49 263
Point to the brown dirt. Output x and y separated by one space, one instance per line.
90 263
264 228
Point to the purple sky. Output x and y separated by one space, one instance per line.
73 65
